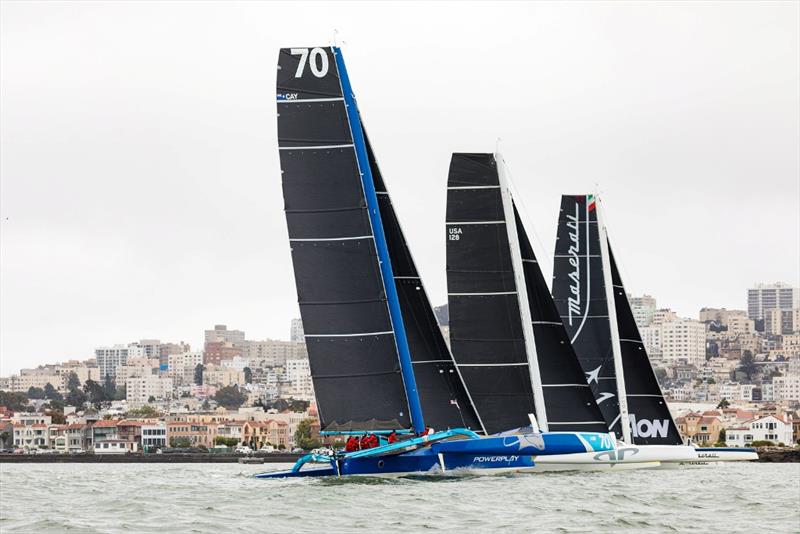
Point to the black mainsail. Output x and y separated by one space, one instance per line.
486 333
568 399
445 401
579 292
367 333
487 312
650 418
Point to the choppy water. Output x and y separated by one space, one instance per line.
220 498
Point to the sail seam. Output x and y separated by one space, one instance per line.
351 238
321 147
352 335
476 222
480 294
304 100
456 187
491 364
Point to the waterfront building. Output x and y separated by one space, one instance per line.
194 434
764 297
111 446
269 432
700 428
79 437
776 428
104 430
34 436
154 436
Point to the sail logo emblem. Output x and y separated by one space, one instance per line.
492 459
287 96
616 455
454 234
647 428
574 301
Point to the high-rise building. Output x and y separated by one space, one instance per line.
109 358
781 322
217 351
764 297
643 309
296 333
167 349
683 339
274 352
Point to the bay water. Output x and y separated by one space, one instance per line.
220 498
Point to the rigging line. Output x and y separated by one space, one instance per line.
527 224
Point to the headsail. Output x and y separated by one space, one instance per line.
651 420
579 293
445 401
349 327
486 333
568 399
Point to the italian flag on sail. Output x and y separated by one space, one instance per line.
590 204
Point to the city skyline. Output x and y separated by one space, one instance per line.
140 184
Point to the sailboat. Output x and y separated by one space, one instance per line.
607 340
379 364
506 334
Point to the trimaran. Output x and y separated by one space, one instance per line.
378 362
607 340
506 333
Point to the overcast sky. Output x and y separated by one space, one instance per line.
141 198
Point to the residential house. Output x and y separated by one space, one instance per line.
154 436
195 434
776 428
104 430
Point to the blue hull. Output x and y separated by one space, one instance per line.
494 453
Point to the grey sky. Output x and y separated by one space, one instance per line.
140 189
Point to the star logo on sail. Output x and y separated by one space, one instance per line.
524 441
593 376
604 396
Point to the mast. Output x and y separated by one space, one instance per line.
616 347
522 295
406 367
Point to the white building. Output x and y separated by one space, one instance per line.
237 362
181 366
298 373
776 429
154 436
217 375
771 296
643 309
138 390
110 358
786 388
685 340
296 333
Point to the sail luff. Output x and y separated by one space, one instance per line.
522 295
613 324
407 369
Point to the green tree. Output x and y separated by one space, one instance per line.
228 442
57 417
230 397
95 393
302 436
109 388
57 405
747 364
121 393
76 398
206 405
144 411
35 393
151 399
248 375
661 374
14 401
73 382
723 404
52 393
198 374
298 405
